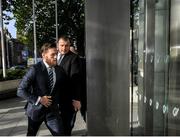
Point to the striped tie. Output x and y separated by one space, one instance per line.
50 82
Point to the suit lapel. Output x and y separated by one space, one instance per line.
54 88
45 76
44 71
63 60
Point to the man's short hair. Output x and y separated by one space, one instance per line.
65 38
47 46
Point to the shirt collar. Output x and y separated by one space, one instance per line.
47 66
59 55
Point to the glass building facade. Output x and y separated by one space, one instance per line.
147 94
156 42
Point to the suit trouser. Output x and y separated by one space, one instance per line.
68 117
53 123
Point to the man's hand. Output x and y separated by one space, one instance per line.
46 101
77 105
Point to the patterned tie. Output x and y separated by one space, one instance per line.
50 82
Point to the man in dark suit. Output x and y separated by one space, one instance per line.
71 64
83 94
40 86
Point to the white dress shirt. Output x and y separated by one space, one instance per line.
59 58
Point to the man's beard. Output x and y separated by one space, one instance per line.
51 63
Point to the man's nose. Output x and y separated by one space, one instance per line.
63 47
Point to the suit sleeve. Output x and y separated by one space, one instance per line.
25 87
75 77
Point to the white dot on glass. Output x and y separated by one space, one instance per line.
150 102
157 105
175 111
164 109
145 99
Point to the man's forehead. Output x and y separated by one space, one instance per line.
52 50
62 42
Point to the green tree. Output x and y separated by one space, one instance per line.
6 7
70 21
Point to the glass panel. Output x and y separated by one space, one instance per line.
174 67
160 66
138 67
161 50
165 99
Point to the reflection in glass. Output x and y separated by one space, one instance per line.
138 66
174 67
159 59
160 66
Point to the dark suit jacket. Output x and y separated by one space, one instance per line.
35 84
83 84
71 65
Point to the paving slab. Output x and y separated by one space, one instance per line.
13 121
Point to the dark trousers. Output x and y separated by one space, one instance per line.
68 117
53 123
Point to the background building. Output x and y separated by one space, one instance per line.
16 53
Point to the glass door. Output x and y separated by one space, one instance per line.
150 67
161 63
173 119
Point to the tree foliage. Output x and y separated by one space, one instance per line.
70 21
6 7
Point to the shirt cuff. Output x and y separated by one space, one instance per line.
39 98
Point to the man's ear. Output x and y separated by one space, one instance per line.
43 55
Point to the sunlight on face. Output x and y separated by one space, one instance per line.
50 56
63 46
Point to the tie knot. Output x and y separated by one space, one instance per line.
50 68
50 71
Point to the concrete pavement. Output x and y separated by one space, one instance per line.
13 121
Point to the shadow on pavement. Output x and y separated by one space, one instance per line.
13 121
